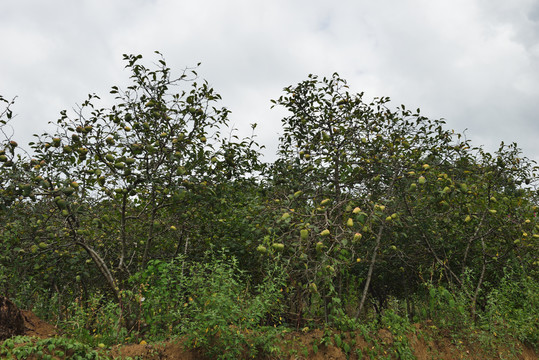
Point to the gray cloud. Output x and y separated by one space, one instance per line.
474 63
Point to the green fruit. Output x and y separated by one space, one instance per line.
74 184
119 165
389 218
65 212
129 161
278 246
325 202
203 139
109 157
42 245
426 166
3 158
467 218
304 234
356 210
298 193
446 190
62 204
180 170
413 186
325 136
350 222
357 236
68 190
492 211
319 246
421 180
325 233
261 249
285 216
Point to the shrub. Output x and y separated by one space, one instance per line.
513 307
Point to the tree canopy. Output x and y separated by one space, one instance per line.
364 205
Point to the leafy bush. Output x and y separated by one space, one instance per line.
224 318
448 309
513 307
210 302
399 326
23 347
99 321
159 297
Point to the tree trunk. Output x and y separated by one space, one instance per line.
103 268
371 269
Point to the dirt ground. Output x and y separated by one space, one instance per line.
299 345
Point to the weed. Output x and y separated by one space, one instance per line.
22 347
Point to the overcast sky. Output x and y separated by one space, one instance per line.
474 63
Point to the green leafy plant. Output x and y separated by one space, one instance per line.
222 317
399 327
98 321
513 308
22 347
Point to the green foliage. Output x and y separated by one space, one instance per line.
97 321
159 297
447 310
513 307
399 327
107 224
222 317
113 188
23 347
